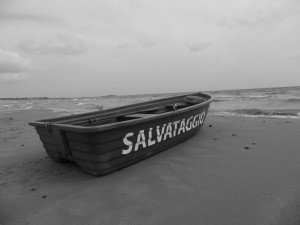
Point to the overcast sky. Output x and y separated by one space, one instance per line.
91 48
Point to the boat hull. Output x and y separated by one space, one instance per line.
100 150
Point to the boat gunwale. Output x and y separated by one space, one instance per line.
99 128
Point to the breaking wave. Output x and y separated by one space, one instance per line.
260 113
293 100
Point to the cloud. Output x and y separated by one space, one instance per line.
13 78
147 42
13 67
23 17
63 44
259 14
11 62
196 47
126 45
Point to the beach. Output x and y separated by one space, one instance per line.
236 170
150 112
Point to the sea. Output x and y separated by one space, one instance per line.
276 102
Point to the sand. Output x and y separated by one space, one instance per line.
236 170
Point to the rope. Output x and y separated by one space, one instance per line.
48 125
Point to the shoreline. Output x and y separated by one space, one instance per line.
236 170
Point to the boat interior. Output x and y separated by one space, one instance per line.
126 113
131 116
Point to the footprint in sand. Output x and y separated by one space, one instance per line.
247 148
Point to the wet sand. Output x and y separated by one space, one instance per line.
236 170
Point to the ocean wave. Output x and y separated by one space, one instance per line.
224 96
7 106
268 112
254 96
260 113
293 100
93 106
220 100
58 109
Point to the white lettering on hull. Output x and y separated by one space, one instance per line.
128 143
164 132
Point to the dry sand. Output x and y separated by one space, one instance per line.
234 171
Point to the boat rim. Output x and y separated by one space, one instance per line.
84 129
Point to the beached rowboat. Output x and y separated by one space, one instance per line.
104 141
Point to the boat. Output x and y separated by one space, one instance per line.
104 141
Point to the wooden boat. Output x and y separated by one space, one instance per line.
104 141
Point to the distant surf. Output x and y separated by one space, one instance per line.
293 114
282 102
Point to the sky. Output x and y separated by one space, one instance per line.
76 48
